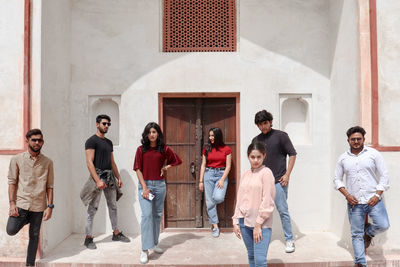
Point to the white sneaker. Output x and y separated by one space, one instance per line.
158 250
144 256
289 246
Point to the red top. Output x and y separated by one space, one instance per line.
217 158
151 162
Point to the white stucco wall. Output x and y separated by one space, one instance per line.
55 116
115 50
345 84
391 238
11 72
388 24
388 27
11 89
84 49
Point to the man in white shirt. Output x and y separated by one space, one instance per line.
363 191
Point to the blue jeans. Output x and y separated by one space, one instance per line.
283 209
152 212
214 194
256 252
380 223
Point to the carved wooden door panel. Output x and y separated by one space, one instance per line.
186 123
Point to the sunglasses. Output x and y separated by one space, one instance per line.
33 140
106 123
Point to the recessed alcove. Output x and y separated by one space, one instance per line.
109 105
295 117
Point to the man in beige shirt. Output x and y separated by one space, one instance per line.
30 191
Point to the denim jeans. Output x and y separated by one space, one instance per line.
111 197
283 209
34 219
214 194
256 252
152 212
380 223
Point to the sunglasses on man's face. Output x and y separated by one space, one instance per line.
106 123
33 140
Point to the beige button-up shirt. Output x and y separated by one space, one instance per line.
32 176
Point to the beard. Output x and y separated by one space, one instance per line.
35 149
360 148
103 131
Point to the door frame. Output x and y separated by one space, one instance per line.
236 95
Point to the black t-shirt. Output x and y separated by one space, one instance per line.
102 154
278 146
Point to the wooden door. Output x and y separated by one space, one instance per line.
186 124
221 113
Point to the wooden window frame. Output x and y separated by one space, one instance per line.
231 34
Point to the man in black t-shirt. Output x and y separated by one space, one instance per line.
278 146
104 172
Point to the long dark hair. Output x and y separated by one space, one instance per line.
145 139
218 140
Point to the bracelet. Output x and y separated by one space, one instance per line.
12 201
200 182
378 196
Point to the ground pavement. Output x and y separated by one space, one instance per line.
188 248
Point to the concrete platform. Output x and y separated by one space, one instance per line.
201 249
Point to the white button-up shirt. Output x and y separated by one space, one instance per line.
361 173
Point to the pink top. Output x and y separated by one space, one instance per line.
255 198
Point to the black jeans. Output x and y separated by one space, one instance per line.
34 219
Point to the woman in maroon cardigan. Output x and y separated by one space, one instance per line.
153 158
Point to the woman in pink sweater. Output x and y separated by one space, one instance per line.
252 220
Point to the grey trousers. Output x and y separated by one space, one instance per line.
111 198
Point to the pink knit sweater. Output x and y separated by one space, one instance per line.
255 198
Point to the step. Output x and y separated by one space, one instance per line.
201 249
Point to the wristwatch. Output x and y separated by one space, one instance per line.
378 196
51 206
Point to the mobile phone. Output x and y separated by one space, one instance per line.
151 196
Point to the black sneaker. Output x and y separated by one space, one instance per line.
367 238
89 243
360 265
120 237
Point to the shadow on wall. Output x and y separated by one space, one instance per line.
100 221
375 251
127 219
305 31
277 231
345 240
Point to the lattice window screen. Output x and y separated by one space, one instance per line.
199 25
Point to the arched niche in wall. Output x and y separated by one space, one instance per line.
109 105
296 116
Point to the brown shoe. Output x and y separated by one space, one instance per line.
367 238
